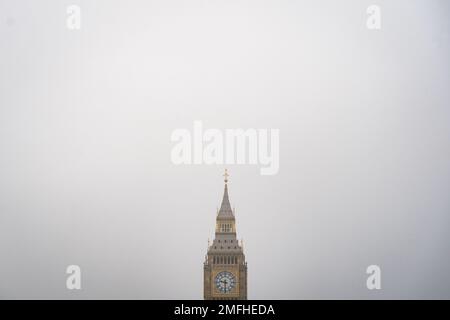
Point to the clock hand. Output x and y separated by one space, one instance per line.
225 282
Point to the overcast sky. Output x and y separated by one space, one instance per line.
86 118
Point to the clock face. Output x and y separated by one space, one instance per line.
225 281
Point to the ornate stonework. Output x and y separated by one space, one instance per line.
225 268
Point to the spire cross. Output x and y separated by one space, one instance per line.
226 176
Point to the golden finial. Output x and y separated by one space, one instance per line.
226 176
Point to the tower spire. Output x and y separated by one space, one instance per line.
225 208
225 268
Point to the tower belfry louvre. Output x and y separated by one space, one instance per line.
225 268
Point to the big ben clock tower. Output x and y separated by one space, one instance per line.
225 268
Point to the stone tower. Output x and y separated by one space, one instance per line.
225 268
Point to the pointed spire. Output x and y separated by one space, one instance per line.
225 208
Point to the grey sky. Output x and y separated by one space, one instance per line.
85 124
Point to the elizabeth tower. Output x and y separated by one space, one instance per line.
225 268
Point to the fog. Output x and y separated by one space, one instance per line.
86 118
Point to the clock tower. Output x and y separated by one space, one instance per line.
225 268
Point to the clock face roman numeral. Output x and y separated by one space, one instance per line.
225 281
